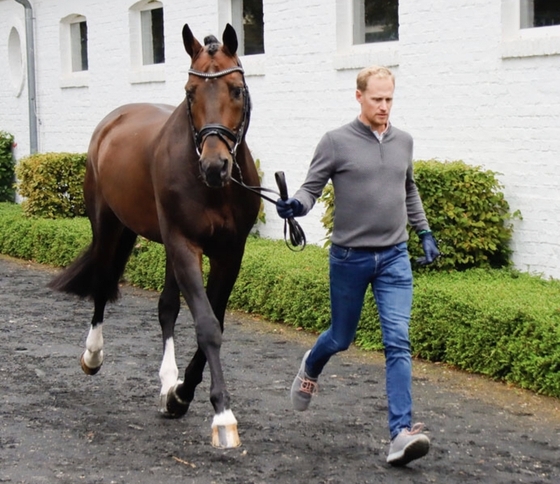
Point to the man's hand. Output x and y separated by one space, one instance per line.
289 208
429 244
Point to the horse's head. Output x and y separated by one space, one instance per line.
217 102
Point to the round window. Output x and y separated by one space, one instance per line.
15 59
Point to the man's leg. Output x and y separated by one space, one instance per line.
393 294
350 274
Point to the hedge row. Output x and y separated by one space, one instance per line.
7 164
500 323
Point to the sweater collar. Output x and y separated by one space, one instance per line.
366 129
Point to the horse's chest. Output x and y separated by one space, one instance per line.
220 226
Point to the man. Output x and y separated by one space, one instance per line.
370 164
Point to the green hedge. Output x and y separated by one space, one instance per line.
466 210
7 163
500 323
52 184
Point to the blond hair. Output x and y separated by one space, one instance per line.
372 71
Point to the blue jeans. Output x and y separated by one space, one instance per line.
389 273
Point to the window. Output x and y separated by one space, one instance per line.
539 13
530 28
366 31
147 42
78 45
74 51
376 21
153 47
15 60
248 21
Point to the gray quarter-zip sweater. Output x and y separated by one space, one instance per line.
374 189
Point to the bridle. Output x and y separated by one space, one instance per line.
296 235
216 129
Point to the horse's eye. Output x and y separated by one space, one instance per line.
237 92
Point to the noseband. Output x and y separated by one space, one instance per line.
219 130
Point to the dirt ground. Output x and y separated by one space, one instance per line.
58 425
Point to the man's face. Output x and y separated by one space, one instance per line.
376 102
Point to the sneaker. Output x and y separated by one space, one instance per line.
408 445
303 387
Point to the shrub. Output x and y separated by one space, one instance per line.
7 178
467 213
47 241
52 184
500 323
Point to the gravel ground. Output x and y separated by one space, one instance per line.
58 425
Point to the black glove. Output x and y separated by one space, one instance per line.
289 208
429 244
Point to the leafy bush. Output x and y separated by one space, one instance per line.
500 323
7 178
467 213
52 184
54 242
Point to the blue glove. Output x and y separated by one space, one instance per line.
429 244
289 208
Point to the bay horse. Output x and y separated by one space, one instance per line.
166 173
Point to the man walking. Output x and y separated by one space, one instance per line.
370 164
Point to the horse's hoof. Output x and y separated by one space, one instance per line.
224 431
87 370
172 406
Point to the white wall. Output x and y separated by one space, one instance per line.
470 86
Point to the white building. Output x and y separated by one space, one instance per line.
477 80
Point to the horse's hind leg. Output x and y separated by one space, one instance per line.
111 250
92 358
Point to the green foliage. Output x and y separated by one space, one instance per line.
467 213
496 322
7 178
54 242
261 217
500 323
52 184
146 267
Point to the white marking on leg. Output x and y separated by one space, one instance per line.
93 356
168 372
224 418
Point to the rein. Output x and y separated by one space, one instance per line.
291 226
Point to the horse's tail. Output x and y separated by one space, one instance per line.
78 277
86 278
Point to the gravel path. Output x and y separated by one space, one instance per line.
59 426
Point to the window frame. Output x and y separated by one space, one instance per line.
140 72
526 42
357 56
70 77
254 64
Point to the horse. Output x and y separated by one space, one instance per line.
165 173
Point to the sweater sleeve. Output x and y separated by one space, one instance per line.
318 175
414 207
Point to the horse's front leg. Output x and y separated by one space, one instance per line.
168 310
209 338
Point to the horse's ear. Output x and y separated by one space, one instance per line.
229 39
192 46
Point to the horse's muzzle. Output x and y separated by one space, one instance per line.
216 173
